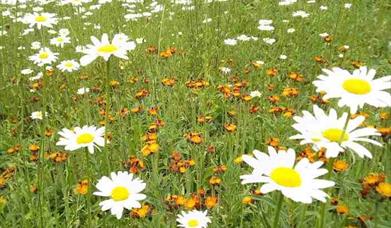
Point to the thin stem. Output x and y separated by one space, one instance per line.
278 210
329 168
107 106
89 178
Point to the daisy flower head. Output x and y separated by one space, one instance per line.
87 136
123 191
327 131
118 47
355 89
40 19
193 219
278 171
60 41
69 66
44 56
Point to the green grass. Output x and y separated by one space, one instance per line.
200 52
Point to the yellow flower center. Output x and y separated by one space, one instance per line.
68 65
60 39
85 138
40 18
43 55
108 48
193 223
357 86
119 193
286 177
335 135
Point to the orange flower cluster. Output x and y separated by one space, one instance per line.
196 84
14 149
235 90
198 200
178 165
134 165
374 181
82 187
56 157
144 211
5 175
287 112
150 138
313 156
34 152
193 137
169 52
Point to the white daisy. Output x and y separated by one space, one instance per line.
123 190
279 172
44 56
87 136
193 219
60 41
68 65
104 48
37 115
40 20
326 131
355 90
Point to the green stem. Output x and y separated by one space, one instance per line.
329 168
278 210
302 216
88 196
107 106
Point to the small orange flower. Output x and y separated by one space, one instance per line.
230 127
384 189
290 92
271 72
342 209
340 165
274 142
214 180
144 211
247 200
210 202
296 76
169 81
195 138
82 187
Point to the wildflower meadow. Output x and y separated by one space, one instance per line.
195 113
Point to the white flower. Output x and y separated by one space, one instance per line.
255 93
26 71
37 115
40 20
123 191
300 13
283 57
326 131
68 65
279 172
44 56
60 41
87 136
83 90
193 219
269 40
356 89
35 45
104 48
348 5
225 70
291 30
230 42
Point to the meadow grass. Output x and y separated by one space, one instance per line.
41 192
